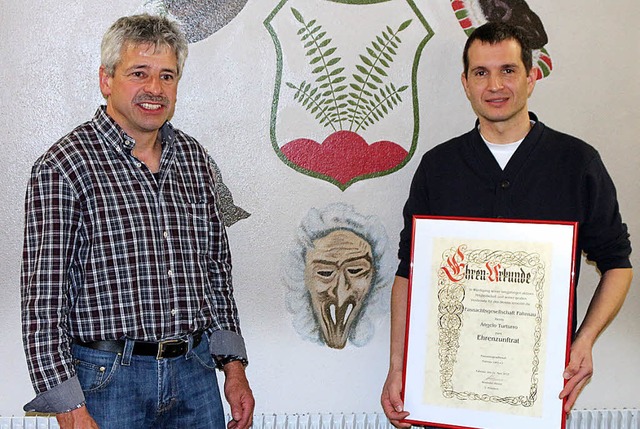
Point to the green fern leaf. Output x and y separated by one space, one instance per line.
333 61
366 60
381 71
404 25
329 51
297 15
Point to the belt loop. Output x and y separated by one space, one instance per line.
127 352
189 346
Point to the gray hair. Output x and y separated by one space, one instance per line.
317 224
142 29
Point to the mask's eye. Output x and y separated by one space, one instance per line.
325 273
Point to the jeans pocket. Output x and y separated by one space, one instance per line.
96 372
203 357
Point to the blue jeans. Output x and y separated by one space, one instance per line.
125 391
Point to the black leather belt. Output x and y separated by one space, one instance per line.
161 350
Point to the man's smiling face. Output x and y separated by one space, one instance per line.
142 92
497 83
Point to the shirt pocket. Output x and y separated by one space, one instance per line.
198 220
196 211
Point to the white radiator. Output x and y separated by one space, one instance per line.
579 419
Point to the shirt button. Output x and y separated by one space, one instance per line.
165 234
173 312
505 184
138 164
170 273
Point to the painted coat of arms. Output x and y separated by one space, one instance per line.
345 103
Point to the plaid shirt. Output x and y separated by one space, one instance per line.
112 250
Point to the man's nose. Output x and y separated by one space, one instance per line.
154 85
495 82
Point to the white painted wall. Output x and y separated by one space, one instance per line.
48 84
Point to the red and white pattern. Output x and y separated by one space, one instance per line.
470 16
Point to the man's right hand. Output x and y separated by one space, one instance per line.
76 419
391 400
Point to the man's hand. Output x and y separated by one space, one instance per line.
391 401
390 398
239 395
605 304
76 419
578 372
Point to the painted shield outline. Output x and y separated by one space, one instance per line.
278 87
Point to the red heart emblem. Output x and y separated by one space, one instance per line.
344 156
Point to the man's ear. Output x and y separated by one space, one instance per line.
532 78
105 82
465 83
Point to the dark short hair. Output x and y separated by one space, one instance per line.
496 32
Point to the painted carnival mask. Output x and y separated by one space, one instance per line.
338 273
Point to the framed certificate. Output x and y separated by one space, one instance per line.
488 322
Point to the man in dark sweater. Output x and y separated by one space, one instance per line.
513 166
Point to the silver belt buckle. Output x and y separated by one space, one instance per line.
164 343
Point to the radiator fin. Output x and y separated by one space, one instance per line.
578 419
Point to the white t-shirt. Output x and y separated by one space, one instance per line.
503 152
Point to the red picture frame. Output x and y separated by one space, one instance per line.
489 318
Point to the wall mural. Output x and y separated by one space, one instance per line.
474 13
338 275
346 77
199 19
228 210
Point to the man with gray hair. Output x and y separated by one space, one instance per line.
127 298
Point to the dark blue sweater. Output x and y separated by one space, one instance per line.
551 176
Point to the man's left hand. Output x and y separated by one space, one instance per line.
578 372
239 396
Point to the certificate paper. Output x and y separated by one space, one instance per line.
488 323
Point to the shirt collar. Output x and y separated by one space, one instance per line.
118 138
